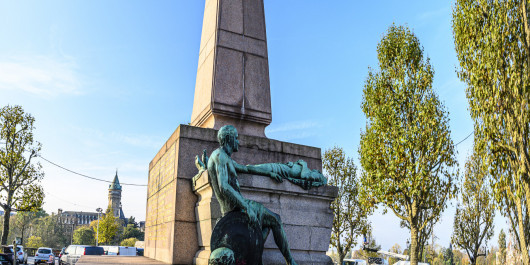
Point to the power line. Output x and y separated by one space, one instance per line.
80 205
83 175
143 185
465 138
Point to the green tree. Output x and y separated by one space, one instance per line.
492 42
396 248
19 177
109 228
406 151
448 255
35 242
502 247
350 216
21 223
473 222
132 221
53 233
457 257
129 242
438 257
84 236
132 231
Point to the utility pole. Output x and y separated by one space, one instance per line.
99 210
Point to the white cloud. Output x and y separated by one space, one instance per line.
40 75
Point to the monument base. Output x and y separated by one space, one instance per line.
180 217
305 214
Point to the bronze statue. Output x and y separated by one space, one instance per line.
222 171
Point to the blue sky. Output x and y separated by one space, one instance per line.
109 81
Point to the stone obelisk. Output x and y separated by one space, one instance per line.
232 84
232 87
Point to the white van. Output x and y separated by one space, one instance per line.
402 262
353 262
120 251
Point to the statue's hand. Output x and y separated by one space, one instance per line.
276 177
199 164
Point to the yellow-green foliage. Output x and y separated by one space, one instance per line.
492 41
84 236
108 228
350 216
129 242
34 242
406 150
473 222
20 176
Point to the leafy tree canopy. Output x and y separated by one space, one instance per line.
350 216
406 152
492 42
20 178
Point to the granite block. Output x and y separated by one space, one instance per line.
231 15
254 19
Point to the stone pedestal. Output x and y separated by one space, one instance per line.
306 215
179 222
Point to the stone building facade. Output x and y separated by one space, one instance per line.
78 218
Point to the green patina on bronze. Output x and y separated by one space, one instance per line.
296 172
222 256
222 171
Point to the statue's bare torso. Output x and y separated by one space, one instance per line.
220 165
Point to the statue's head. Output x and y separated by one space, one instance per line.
227 137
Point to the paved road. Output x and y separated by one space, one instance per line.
31 261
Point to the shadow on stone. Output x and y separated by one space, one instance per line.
235 240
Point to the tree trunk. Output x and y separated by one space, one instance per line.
413 245
522 238
22 233
341 255
5 230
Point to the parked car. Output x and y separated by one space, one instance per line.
22 256
139 251
121 251
353 262
44 255
74 252
6 255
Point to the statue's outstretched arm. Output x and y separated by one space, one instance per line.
262 170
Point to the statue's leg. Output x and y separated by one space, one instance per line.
272 220
265 231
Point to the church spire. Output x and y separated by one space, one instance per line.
115 183
115 197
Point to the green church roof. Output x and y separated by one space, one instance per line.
115 183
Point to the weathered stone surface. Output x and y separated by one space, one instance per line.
254 19
232 85
232 16
305 214
179 220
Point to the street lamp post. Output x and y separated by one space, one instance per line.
99 210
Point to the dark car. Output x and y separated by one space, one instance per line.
74 252
139 251
6 255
